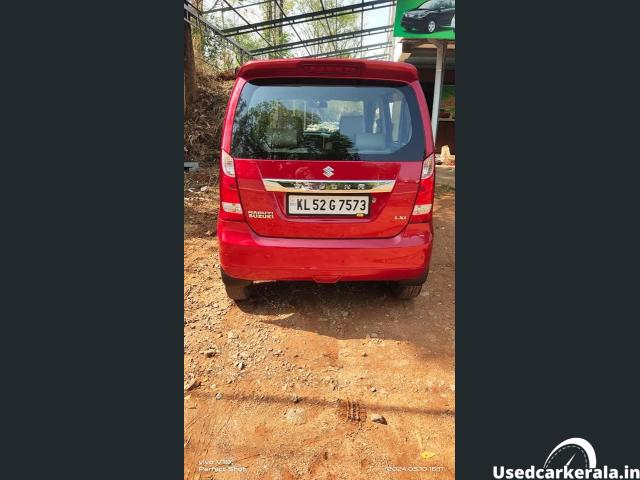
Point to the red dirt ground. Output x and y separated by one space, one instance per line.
306 351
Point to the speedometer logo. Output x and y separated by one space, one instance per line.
575 453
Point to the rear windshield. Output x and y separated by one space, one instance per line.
340 121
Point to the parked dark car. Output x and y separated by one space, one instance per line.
429 16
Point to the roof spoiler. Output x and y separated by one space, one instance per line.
334 68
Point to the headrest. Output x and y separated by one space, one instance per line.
350 124
370 141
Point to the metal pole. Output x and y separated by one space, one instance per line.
441 47
310 16
284 15
390 49
325 39
336 53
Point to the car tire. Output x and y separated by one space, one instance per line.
431 26
237 289
238 293
410 288
406 292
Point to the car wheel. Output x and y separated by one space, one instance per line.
431 26
405 292
236 292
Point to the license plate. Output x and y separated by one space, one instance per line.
343 205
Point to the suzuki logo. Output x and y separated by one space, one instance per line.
328 171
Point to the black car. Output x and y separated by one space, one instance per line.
429 16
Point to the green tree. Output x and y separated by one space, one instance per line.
333 26
217 52
276 10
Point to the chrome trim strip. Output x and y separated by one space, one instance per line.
328 186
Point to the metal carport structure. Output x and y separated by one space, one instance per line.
198 19
228 36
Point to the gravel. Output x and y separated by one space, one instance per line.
191 384
296 416
378 419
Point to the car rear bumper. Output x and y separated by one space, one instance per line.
245 255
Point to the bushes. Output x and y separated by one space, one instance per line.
203 126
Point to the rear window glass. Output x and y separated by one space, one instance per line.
341 121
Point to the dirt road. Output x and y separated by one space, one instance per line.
287 384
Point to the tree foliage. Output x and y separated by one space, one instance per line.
217 53
322 28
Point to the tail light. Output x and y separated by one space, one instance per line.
230 206
424 200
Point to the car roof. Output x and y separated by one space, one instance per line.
329 68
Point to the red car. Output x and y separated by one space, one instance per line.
326 175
